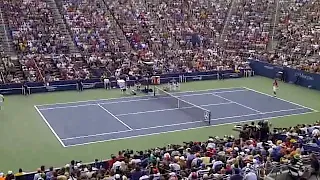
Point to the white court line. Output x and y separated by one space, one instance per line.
236 103
114 116
118 98
191 122
117 132
172 109
215 125
45 120
64 107
280 99
138 100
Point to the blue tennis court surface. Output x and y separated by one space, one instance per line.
78 123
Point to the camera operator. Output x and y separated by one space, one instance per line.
260 131
264 127
244 132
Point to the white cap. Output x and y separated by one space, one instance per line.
117 176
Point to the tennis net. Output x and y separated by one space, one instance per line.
196 112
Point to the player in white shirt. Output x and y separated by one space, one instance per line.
106 83
1 100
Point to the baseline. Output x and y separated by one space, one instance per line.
138 100
144 96
281 99
49 126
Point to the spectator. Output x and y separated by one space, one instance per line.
10 176
249 175
49 174
2 177
315 166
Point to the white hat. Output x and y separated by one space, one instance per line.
9 172
67 165
210 139
166 155
117 176
79 164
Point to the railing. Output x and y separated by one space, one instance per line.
275 21
2 77
38 69
5 30
36 87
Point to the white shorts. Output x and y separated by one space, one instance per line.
274 88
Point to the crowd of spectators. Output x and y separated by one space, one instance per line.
9 72
179 36
95 33
298 36
249 27
257 152
33 27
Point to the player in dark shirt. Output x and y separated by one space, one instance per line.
25 89
80 85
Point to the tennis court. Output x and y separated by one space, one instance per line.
86 122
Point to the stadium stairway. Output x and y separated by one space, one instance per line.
274 24
62 25
223 34
6 42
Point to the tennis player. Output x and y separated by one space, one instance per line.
1 100
275 87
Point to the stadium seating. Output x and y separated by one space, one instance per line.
216 158
179 36
51 40
298 36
